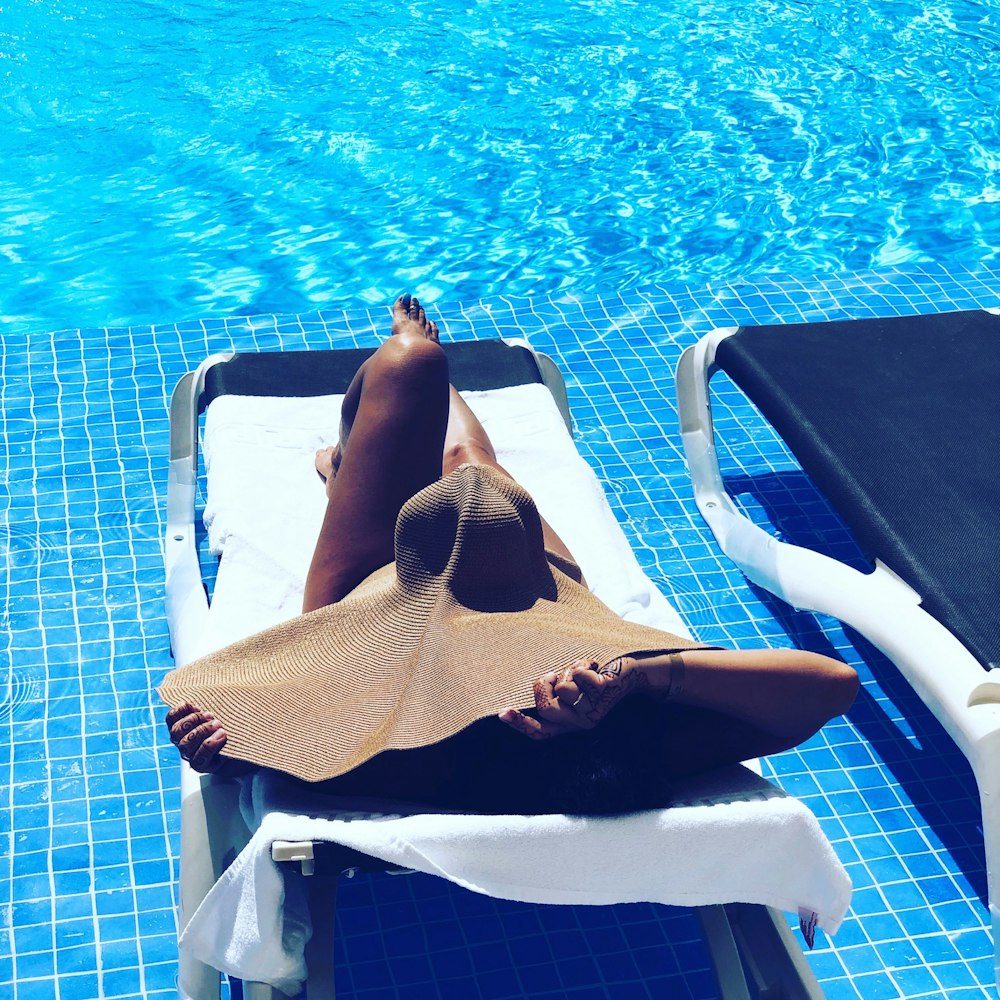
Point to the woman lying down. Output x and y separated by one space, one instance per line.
450 653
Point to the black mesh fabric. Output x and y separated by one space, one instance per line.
897 421
473 364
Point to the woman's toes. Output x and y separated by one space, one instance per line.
400 312
409 315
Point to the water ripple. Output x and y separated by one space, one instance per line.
19 699
140 520
25 545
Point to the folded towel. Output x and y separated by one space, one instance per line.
730 836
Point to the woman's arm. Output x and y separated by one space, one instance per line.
790 693
743 703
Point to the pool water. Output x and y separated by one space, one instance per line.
167 160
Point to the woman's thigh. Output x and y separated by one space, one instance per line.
392 451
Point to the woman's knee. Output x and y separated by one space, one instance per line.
469 452
406 359
404 399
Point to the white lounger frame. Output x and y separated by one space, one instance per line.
963 696
748 943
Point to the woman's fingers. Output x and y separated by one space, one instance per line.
183 720
556 701
590 680
198 736
575 698
568 687
201 746
546 699
579 685
205 758
525 724
175 715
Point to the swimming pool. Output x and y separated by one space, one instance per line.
167 160
185 162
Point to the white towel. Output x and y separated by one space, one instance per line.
730 837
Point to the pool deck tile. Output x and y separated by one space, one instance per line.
89 797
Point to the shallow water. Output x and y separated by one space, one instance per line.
167 160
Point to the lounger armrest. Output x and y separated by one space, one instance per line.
186 602
212 834
186 598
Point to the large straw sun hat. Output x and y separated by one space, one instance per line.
470 614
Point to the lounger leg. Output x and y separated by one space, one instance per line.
995 913
725 955
988 779
757 937
212 832
319 950
321 896
772 953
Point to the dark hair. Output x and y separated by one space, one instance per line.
616 767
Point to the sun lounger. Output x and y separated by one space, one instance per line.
897 422
746 847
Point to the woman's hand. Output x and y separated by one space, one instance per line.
576 698
198 736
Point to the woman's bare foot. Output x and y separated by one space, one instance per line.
327 465
408 316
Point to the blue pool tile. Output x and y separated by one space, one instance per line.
91 798
36 989
121 983
876 986
918 981
33 937
123 954
76 958
71 933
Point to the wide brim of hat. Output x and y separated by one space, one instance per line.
420 650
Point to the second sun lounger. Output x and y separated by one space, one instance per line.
897 422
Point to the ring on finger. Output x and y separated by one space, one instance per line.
578 700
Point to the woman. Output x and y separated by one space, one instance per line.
415 496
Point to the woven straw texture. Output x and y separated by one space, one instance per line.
471 613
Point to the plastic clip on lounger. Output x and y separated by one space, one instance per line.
739 836
897 422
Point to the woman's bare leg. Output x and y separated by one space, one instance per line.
467 441
393 425
402 427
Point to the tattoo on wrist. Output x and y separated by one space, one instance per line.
639 679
